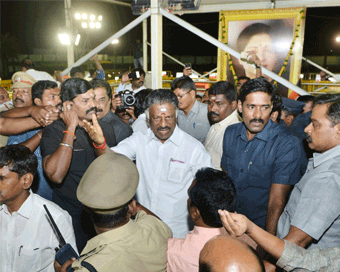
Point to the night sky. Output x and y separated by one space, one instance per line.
35 24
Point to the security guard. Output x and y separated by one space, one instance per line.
290 109
122 244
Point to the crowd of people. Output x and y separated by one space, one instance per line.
244 180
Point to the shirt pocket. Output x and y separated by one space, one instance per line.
34 259
177 170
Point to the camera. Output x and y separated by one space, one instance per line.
134 75
128 99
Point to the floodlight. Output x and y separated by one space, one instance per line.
92 25
338 39
77 39
64 38
78 16
92 17
84 16
98 25
84 25
100 17
114 41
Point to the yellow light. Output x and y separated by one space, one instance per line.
114 41
92 17
78 16
338 39
100 17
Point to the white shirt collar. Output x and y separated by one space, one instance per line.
175 137
26 208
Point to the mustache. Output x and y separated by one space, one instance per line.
308 138
99 110
18 99
163 128
91 109
256 120
212 113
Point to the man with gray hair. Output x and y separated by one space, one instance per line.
167 159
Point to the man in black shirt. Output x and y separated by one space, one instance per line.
67 152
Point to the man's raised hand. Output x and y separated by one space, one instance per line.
94 130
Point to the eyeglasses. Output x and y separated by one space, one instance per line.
181 96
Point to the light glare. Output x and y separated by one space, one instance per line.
92 25
84 16
92 17
64 38
77 39
78 16
98 25
114 41
84 25
100 17
338 39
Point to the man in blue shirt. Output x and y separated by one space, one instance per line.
261 157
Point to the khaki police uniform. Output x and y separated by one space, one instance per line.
107 186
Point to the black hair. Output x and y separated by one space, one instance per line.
100 83
140 70
334 106
161 96
18 159
204 267
184 82
277 104
250 31
72 87
226 88
198 96
39 88
288 112
140 105
110 220
213 190
75 70
305 98
259 84
28 64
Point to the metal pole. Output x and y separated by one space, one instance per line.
175 60
156 45
319 67
108 41
207 74
70 49
229 50
145 46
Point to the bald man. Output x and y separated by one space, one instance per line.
226 254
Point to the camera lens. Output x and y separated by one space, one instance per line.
129 100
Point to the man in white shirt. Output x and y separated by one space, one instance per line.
222 113
137 81
27 240
167 159
28 67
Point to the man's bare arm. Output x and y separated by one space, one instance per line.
12 126
278 197
33 142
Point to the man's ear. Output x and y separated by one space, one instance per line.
239 106
337 130
27 180
194 213
132 208
37 101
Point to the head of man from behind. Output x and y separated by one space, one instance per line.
77 72
227 254
18 166
323 133
27 64
22 87
46 93
255 104
4 96
210 191
185 90
82 96
308 100
103 94
161 113
290 109
222 101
